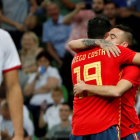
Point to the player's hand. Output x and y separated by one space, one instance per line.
19 27
18 138
60 62
5 135
79 87
109 47
80 6
43 106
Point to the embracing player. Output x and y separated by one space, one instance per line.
128 85
96 117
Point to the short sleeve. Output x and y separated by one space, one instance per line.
11 58
126 56
45 35
132 74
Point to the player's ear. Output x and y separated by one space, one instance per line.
87 35
125 44
106 35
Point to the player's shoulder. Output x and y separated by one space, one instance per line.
3 33
122 48
131 68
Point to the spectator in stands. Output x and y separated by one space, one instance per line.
39 87
15 18
120 3
134 10
55 34
41 82
110 12
30 49
135 4
62 130
51 115
65 5
79 18
7 126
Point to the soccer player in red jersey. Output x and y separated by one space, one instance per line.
96 117
129 83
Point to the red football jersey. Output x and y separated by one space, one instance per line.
129 119
94 114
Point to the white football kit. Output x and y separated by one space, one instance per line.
9 59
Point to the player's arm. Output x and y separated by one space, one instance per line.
33 7
113 91
29 88
51 83
136 59
68 18
8 21
15 101
81 44
68 4
43 111
41 121
52 52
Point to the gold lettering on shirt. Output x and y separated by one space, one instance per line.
96 76
89 55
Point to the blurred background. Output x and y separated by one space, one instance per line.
41 30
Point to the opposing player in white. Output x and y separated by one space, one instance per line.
9 63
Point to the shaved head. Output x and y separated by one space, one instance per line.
127 34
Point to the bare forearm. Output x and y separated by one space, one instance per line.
30 69
53 53
68 4
28 138
80 44
42 90
68 18
15 101
7 21
52 83
41 121
102 90
29 89
33 6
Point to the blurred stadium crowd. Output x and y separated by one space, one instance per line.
41 30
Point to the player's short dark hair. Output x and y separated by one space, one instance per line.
124 28
44 54
98 27
1 5
128 33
